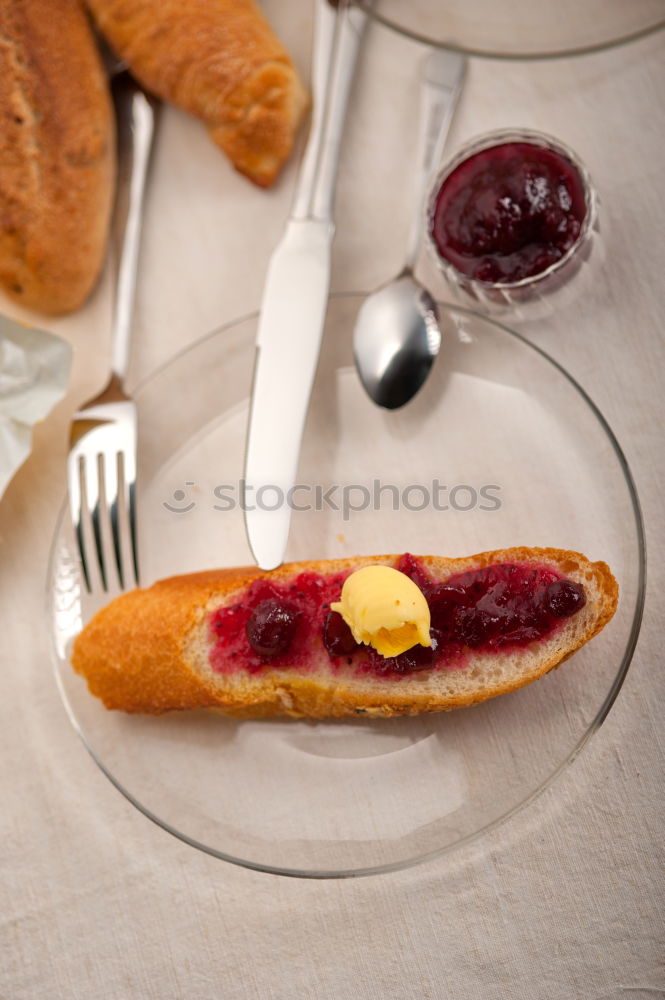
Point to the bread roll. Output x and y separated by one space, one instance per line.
220 61
150 650
57 154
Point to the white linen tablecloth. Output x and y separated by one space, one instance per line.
565 899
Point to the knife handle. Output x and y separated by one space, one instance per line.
337 35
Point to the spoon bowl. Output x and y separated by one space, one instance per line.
397 338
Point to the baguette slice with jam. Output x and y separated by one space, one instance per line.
258 644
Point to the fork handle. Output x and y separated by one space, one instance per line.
135 115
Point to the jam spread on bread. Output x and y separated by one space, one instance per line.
279 623
239 628
508 212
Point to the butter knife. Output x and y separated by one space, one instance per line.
295 296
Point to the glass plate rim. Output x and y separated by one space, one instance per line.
488 53
324 874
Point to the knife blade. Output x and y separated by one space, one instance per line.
288 341
295 298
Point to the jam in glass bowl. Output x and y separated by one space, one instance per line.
511 217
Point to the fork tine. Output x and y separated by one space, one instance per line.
127 466
133 531
92 479
75 474
111 463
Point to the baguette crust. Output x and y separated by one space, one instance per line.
143 652
57 155
220 61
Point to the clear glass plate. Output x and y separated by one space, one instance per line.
520 29
501 448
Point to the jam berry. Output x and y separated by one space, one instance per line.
409 662
271 627
509 212
563 598
337 636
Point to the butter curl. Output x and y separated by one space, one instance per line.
385 609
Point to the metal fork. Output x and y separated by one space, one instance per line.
101 466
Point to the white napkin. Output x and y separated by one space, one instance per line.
34 371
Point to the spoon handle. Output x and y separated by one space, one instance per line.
442 76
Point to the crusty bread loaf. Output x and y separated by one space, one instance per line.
218 60
148 650
57 154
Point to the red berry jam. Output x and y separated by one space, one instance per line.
337 636
409 662
489 609
414 569
563 598
502 605
271 626
274 623
508 212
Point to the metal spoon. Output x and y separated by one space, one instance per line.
397 334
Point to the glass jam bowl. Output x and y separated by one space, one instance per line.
512 217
